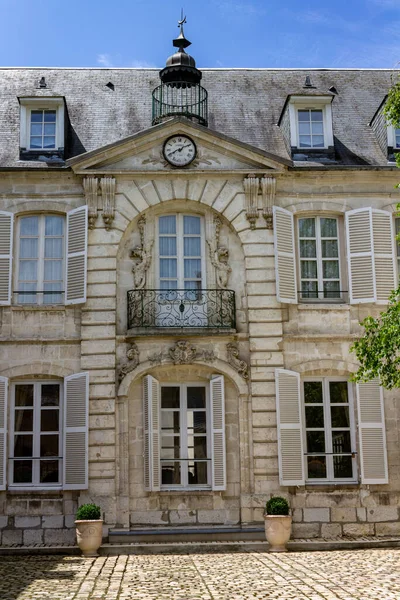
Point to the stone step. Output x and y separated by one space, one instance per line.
186 534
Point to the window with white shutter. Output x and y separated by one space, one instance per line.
217 394
3 430
290 429
76 263
6 245
371 417
285 260
370 254
76 431
151 411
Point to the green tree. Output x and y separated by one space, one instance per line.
378 351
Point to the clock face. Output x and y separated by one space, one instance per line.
179 150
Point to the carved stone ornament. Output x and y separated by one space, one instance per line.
182 353
143 257
90 186
251 184
107 185
219 256
268 190
233 359
133 357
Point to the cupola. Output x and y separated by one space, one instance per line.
180 93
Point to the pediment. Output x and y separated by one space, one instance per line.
143 152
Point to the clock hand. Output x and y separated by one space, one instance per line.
177 150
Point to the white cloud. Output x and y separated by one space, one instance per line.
109 61
386 4
141 64
104 60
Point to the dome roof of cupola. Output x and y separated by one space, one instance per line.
181 67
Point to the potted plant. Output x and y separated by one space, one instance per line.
89 529
278 523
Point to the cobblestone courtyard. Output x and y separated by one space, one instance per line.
206 575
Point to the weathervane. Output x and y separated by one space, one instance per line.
182 21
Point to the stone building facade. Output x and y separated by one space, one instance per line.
176 326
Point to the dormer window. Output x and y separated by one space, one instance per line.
306 122
393 134
311 128
42 128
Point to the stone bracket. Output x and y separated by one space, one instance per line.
255 205
100 198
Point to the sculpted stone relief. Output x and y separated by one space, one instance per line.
133 356
233 359
182 353
219 256
143 256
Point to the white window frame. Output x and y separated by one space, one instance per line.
27 105
328 432
184 485
41 260
310 103
179 247
391 136
397 246
320 260
36 436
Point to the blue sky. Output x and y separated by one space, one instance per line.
224 33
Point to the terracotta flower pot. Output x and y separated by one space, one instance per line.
89 535
277 531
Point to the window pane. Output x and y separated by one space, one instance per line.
192 268
49 142
329 248
196 397
304 128
191 246
317 128
24 395
49 471
53 247
29 226
170 397
338 391
309 289
50 129
28 248
167 246
53 270
199 422
49 116
168 285
49 420
52 298
36 142
49 445
315 441
22 471
28 270
27 298
170 447
330 269
314 416
191 225
307 228
167 224
304 115
54 225
36 129
316 115
342 467
341 442
305 141
197 473
331 289
313 392
316 467
340 416
36 116
23 419
197 446
170 421
168 267
318 141
171 473
308 269
328 227
308 248
23 445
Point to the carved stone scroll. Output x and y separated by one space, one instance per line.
90 186
182 353
233 359
251 185
107 185
268 190
133 357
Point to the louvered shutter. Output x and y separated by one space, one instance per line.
218 453
384 256
3 430
285 259
290 430
6 244
371 418
76 417
151 411
360 256
76 263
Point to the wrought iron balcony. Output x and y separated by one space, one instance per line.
180 99
211 309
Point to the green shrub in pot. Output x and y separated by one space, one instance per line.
88 512
277 506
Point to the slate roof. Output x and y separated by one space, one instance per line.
243 103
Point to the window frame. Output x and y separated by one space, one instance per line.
27 105
183 438
330 480
311 103
397 245
41 260
36 484
319 258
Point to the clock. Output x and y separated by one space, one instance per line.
179 150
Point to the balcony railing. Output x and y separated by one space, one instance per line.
211 309
178 99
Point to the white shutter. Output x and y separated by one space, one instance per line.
3 430
371 418
151 411
76 417
360 257
290 430
76 263
384 256
218 453
285 259
6 245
